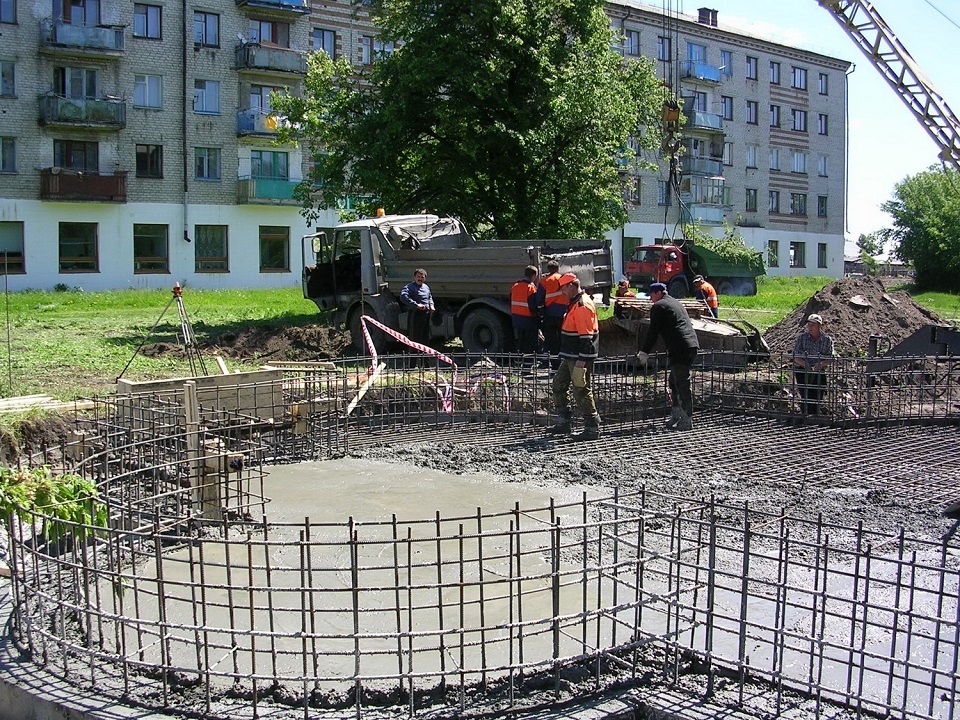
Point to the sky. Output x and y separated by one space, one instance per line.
886 142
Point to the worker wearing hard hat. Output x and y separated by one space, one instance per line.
552 307
812 350
579 347
706 293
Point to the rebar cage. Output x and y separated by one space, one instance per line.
192 597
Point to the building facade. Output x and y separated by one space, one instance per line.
138 145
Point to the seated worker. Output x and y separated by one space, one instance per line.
623 291
708 294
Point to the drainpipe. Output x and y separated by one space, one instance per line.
846 160
183 123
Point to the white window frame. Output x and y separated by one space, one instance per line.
751 112
631 43
774 72
147 21
206 99
824 84
664 48
798 204
823 124
726 63
822 166
799 120
774 158
773 201
206 163
798 78
206 24
148 91
799 162
751 155
320 38
751 72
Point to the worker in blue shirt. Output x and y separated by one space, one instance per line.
418 300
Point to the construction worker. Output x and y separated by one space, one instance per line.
579 346
523 311
812 350
707 294
552 307
418 300
669 320
623 291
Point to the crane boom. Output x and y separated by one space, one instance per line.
870 32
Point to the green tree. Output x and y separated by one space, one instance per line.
513 115
871 245
926 227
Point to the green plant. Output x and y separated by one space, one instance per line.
69 503
731 247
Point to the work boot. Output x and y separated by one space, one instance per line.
589 432
561 428
684 423
674 419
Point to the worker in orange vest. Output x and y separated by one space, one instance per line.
551 306
579 347
523 311
708 294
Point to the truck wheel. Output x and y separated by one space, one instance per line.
747 286
356 332
678 288
484 331
725 288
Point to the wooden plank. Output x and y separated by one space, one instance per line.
366 386
221 363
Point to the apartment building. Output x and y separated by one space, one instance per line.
763 145
138 150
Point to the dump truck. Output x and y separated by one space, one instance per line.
362 266
676 266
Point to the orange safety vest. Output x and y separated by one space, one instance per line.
709 295
519 295
579 324
551 286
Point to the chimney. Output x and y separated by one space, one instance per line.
708 16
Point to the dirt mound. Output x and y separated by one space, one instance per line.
853 309
310 342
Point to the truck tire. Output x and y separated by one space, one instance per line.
725 287
747 286
380 340
678 288
484 331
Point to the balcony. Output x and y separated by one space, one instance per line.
277 7
697 120
80 40
700 71
256 122
266 191
96 114
703 213
65 184
252 56
701 166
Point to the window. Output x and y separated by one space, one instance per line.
821 207
147 21
774 73
269 31
8 155
822 127
699 101
76 155
664 49
728 153
76 83
773 204
149 161
751 68
631 191
696 52
751 159
663 192
206 29
269 164
774 116
773 253
821 255
150 248
11 248
8 11
751 203
260 97
274 248
823 84
774 158
366 50
631 42
799 120
206 163
726 107
382 49
798 78
725 195
8 78
147 91
726 63
798 203
206 96
798 251
78 247
325 40
210 248
751 112
822 166
77 12
799 161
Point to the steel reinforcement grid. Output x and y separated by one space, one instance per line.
192 598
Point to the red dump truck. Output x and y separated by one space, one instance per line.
676 266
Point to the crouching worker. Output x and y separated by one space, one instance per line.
579 346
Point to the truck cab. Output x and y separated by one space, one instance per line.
659 263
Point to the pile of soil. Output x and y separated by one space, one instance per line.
268 342
853 309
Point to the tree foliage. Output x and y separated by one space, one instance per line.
513 115
730 246
926 227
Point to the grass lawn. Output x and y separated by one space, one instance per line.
70 344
